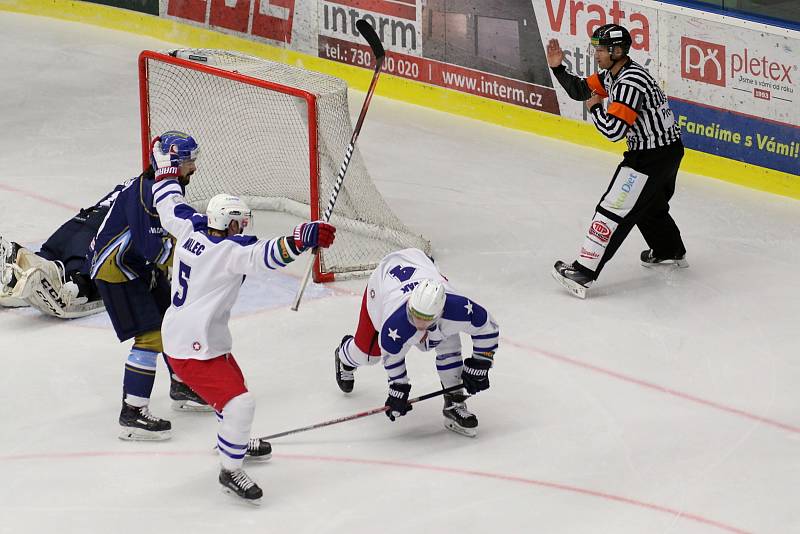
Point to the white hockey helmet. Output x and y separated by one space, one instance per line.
426 304
223 208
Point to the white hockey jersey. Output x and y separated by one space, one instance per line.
207 272
389 288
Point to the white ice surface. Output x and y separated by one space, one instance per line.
665 403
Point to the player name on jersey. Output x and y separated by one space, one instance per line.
193 246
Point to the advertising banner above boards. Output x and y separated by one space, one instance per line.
733 88
735 93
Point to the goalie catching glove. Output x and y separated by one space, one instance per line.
313 234
475 375
397 401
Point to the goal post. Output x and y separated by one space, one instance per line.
274 135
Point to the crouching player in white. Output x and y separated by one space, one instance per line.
211 260
409 303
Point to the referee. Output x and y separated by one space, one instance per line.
644 181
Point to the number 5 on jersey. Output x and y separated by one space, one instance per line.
183 279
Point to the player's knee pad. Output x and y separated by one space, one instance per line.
239 411
149 341
449 367
352 355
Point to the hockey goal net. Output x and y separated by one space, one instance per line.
276 136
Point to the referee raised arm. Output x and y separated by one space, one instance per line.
624 100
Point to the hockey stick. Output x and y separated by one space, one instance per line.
361 414
377 49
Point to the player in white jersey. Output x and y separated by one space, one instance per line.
211 259
408 303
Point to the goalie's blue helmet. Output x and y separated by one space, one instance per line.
180 146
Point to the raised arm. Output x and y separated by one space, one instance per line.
577 88
269 254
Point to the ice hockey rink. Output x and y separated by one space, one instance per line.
667 402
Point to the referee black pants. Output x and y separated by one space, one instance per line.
655 171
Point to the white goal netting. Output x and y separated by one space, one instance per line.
274 144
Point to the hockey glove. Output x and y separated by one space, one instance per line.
397 401
475 375
162 162
313 234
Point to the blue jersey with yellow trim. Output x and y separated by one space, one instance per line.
131 239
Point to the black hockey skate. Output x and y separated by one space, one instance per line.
184 399
138 424
649 259
457 417
573 279
239 484
259 449
345 374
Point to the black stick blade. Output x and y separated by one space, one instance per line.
368 32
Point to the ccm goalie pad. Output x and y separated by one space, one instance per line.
41 283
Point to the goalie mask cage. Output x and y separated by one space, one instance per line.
275 135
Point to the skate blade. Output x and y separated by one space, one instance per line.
232 494
458 429
573 287
189 406
247 457
262 458
681 264
137 434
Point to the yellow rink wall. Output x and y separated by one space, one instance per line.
438 98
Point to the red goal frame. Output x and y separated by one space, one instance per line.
310 98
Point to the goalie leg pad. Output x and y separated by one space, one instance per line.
41 283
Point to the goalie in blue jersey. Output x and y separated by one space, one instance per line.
55 280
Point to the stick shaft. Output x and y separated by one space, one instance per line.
360 414
348 154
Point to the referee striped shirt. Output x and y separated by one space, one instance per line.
635 106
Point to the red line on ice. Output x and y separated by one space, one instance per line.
388 463
39 197
655 387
